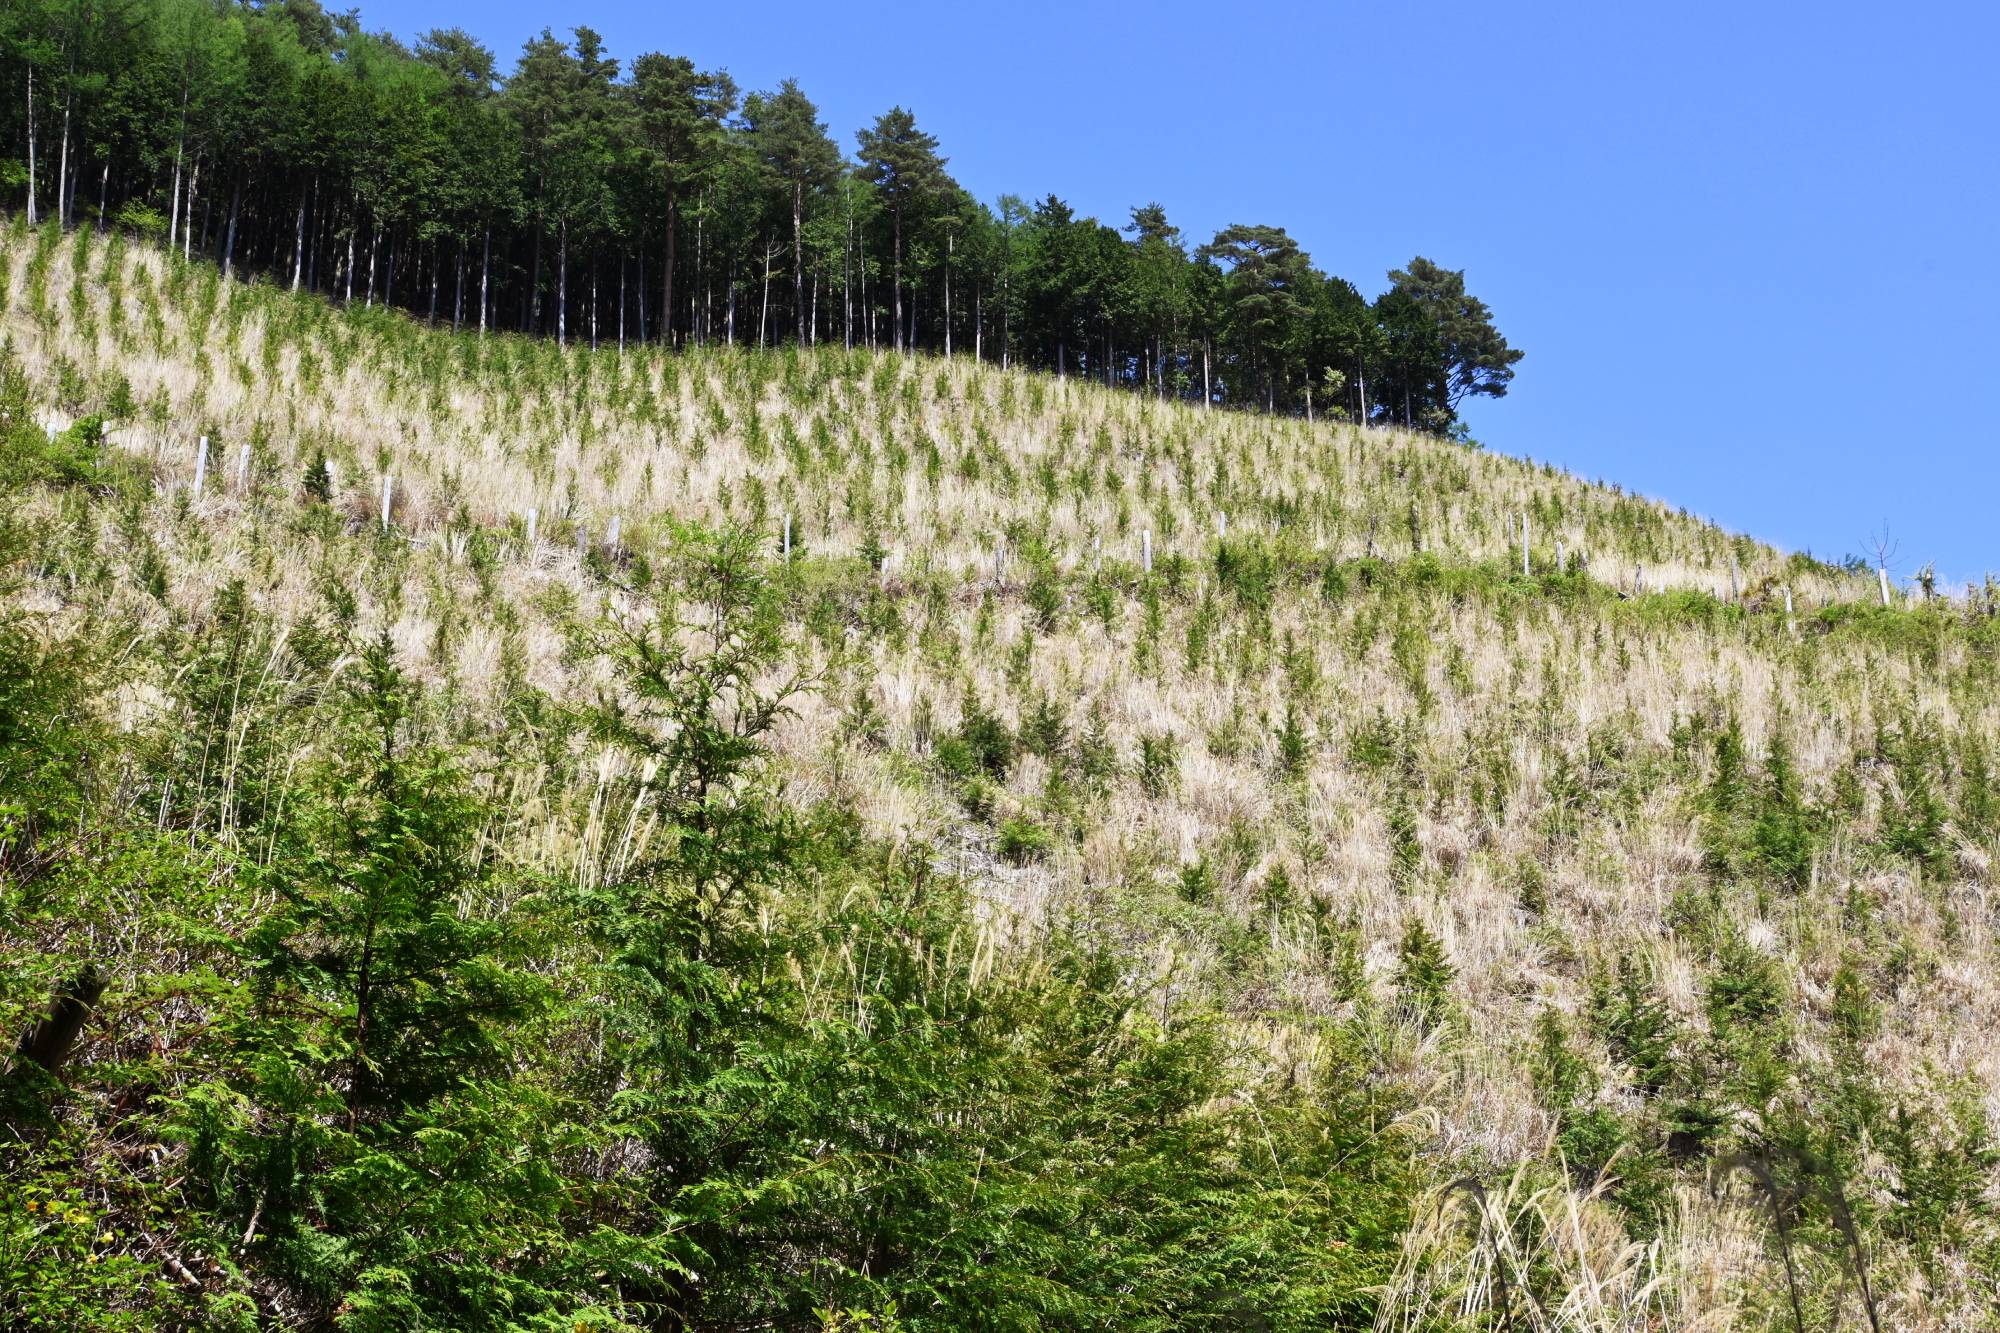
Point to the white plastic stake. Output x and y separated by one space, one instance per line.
388 498
1222 524
611 535
1881 571
332 487
788 536
200 466
1788 609
243 469
1097 553
1146 550
531 527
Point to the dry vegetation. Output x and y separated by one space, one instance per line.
1287 766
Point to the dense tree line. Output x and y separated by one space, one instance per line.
583 198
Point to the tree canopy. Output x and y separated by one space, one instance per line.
578 196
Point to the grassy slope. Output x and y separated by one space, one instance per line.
1526 766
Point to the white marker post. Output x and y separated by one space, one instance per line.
1881 573
1222 524
788 537
332 486
243 469
531 527
1559 555
611 535
388 498
1146 550
1790 624
1096 553
200 466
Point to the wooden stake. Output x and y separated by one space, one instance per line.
388 498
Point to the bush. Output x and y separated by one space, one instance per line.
1023 840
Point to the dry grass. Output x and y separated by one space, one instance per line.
1496 699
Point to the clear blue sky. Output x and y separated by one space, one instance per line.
1749 249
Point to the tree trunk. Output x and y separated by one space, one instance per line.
299 239
667 278
621 302
33 218
62 167
764 306
194 188
799 257
1207 393
562 283
898 330
49 1042
229 243
950 247
485 274
458 289
847 276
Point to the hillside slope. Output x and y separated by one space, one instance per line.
1634 901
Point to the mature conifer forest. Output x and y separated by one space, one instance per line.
646 200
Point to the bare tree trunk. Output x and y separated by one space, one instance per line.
229 243
374 241
33 217
847 276
640 291
950 247
194 188
562 283
485 273
299 239
1207 393
764 306
62 168
667 277
104 195
799 258
458 292
621 302
899 278
433 316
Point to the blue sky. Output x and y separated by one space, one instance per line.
1747 248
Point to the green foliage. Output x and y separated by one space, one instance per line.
1424 973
